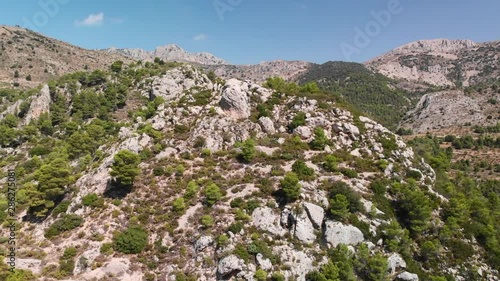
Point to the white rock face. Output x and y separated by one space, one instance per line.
235 99
32 265
264 263
316 214
264 218
117 267
39 105
203 242
230 265
304 229
394 262
267 125
406 276
337 233
298 262
84 261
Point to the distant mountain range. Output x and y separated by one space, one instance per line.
170 52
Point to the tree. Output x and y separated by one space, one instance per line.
327 272
320 140
339 207
212 194
125 167
131 241
248 151
290 186
53 178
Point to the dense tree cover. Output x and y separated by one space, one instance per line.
472 209
367 91
125 167
280 85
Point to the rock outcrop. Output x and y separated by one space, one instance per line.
337 233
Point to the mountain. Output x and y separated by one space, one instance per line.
441 62
166 171
28 58
168 53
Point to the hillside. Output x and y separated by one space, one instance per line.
441 62
28 58
213 179
369 92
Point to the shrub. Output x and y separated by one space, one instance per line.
248 151
302 170
331 163
349 173
207 221
212 194
92 200
131 241
236 227
179 205
61 208
320 140
339 187
106 248
297 121
290 186
68 222
260 275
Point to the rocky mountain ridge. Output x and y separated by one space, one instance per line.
170 52
235 181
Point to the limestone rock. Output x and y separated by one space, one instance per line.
235 99
337 233
39 105
303 132
203 242
406 276
230 265
304 229
265 219
316 214
267 125
264 263
394 262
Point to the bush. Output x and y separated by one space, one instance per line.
349 173
302 170
179 205
131 241
207 221
260 275
297 121
248 151
212 194
320 140
61 208
92 200
68 222
290 186
339 187
235 227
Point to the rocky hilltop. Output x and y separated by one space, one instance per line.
213 179
28 58
441 62
170 52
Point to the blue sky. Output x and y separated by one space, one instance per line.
252 31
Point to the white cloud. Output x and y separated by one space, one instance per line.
92 20
200 37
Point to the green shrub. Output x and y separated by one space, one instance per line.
235 227
248 151
92 200
131 241
260 275
331 163
207 221
349 173
125 167
291 186
106 249
302 171
212 194
61 208
68 222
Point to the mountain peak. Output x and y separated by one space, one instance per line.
436 45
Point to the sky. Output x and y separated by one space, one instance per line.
253 31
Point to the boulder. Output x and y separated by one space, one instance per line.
303 132
408 276
264 218
203 242
316 214
230 265
267 125
304 229
337 233
264 263
235 99
394 262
